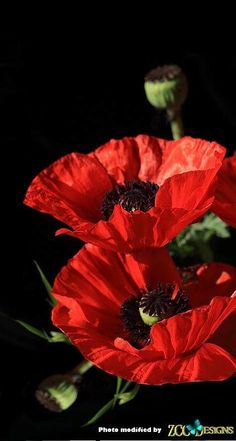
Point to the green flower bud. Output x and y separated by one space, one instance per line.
57 392
166 87
148 319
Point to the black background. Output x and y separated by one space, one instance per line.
67 92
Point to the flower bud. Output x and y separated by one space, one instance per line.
166 87
57 392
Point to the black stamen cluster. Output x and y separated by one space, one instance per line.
154 302
138 332
158 302
132 196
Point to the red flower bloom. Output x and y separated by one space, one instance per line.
102 296
225 198
131 193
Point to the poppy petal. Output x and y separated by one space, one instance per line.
120 158
130 159
185 332
111 277
225 199
67 189
95 279
108 279
189 154
150 266
224 337
151 157
208 363
188 191
127 232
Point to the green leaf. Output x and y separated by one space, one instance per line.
128 396
215 225
100 413
195 239
46 284
33 330
54 337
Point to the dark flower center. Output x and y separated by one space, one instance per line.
132 196
163 73
152 306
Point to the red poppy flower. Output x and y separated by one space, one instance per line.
225 198
131 193
188 332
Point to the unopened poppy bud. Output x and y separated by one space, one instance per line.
148 319
57 392
166 88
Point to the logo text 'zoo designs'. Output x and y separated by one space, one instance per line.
197 429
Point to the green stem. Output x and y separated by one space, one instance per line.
99 414
110 404
176 125
125 386
81 368
118 386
